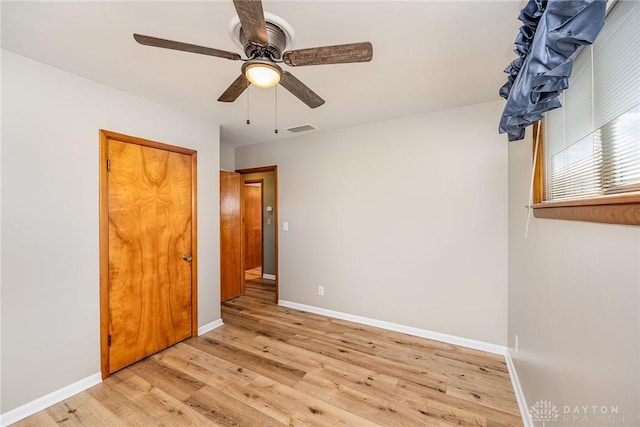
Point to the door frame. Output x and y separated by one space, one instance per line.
105 136
274 169
242 197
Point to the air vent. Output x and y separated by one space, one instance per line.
303 128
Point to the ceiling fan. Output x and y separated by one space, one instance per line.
264 42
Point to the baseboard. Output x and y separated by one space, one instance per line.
269 276
41 403
517 389
209 327
423 333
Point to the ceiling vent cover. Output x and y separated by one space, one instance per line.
302 128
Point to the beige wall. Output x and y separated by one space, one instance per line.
574 301
227 157
50 142
403 221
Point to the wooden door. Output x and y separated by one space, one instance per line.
252 212
150 298
231 265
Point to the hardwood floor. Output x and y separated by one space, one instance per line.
271 366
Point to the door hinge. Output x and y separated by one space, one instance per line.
108 165
109 340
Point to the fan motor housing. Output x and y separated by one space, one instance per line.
279 34
277 43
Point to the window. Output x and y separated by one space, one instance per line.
589 165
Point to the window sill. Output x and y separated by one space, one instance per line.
614 209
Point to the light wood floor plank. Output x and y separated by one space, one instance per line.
224 409
82 410
121 405
164 407
274 366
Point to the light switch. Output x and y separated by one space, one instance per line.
285 226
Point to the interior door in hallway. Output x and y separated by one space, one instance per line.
252 213
150 294
231 263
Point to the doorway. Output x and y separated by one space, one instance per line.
148 248
256 262
252 207
266 179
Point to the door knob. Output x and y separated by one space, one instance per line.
187 257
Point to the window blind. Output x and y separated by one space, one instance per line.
593 142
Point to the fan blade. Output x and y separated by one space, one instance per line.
235 90
252 20
300 90
185 47
339 54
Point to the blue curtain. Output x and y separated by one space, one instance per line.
552 34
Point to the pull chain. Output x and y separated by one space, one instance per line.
248 121
276 131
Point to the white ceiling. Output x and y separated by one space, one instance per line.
427 55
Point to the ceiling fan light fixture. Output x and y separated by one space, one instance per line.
262 74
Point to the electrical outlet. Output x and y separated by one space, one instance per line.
517 343
321 291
